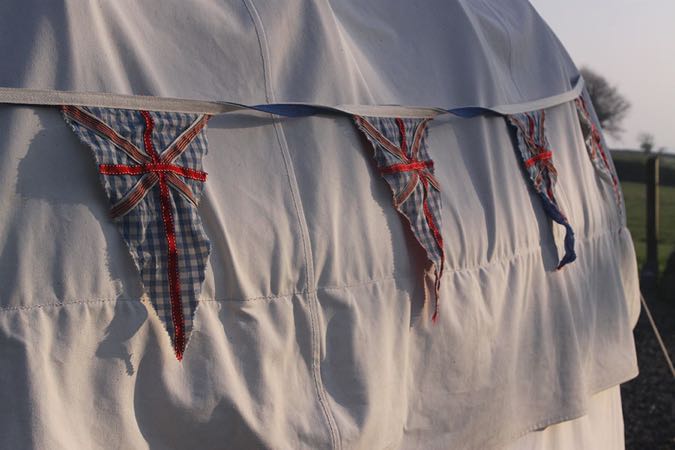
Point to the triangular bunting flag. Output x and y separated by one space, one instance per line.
595 149
150 164
537 157
402 158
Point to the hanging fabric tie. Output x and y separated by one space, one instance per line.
402 158
596 151
150 164
537 158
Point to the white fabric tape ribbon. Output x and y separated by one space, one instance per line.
20 96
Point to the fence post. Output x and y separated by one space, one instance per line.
650 270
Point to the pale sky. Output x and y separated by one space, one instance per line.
632 44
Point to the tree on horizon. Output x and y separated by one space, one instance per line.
610 105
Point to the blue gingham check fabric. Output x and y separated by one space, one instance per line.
537 157
597 153
402 158
150 165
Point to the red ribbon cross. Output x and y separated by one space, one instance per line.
153 168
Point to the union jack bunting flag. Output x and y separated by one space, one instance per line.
535 153
596 150
402 158
150 165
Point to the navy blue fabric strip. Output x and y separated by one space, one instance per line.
554 213
472 111
295 110
301 110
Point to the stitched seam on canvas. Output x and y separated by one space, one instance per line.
524 253
67 303
262 40
528 251
141 301
207 299
313 301
393 277
310 289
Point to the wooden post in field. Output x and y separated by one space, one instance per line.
650 271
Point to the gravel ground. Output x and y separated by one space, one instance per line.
649 399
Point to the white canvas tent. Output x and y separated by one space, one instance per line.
312 329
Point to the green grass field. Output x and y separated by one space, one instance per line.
635 196
631 168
